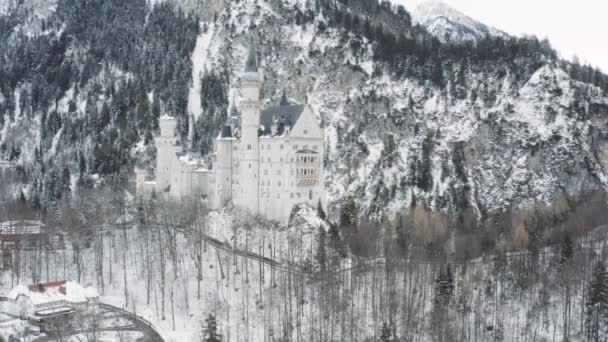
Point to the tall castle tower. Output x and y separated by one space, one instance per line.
250 124
166 147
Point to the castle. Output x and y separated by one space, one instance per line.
268 165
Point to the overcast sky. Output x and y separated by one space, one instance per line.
574 27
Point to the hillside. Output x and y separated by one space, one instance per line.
408 120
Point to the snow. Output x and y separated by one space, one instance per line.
199 63
4 4
74 293
449 24
21 227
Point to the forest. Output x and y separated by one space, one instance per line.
88 89
402 280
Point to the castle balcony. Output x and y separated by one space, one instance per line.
308 168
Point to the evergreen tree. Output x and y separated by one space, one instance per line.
320 211
322 250
210 333
566 252
385 333
335 241
349 213
444 286
596 314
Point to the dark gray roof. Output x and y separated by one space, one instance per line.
284 101
226 132
285 116
252 64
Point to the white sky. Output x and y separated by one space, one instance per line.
574 27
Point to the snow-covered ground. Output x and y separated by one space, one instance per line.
257 302
199 65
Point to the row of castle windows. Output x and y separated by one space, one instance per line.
308 172
291 195
307 159
281 147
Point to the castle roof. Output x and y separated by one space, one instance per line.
226 132
289 114
252 64
53 291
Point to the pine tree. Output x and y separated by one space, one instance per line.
385 333
322 250
444 286
210 333
320 211
335 241
349 212
566 250
597 304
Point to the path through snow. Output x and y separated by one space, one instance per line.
199 60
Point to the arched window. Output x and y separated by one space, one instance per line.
310 195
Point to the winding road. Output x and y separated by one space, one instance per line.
110 314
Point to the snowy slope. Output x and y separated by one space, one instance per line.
505 129
451 25
199 59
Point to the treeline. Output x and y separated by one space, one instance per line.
411 51
421 233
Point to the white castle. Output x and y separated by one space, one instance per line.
268 165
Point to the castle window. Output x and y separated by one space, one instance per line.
297 194
314 147
265 172
281 159
250 166
268 147
281 146
295 147
306 147
278 195
262 147
279 183
291 195
310 195
236 148
249 147
305 131
278 172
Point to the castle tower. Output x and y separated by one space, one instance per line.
223 167
250 106
140 180
166 147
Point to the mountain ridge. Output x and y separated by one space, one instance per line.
409 121
451 25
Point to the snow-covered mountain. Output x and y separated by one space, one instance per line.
406 122
451 25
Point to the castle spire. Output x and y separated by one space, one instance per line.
284 101
252 64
